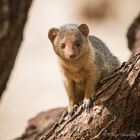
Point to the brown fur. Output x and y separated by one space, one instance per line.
81 77
83 70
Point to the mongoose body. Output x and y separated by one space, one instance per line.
84 60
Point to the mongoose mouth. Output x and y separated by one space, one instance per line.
72 56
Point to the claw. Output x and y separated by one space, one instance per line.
72 111
93 98
87 103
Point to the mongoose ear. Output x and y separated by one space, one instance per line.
84 29
52 33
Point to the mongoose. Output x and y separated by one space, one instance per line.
133 36
84 60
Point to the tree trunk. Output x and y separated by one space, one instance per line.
115 113
13 16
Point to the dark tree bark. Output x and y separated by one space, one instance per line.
114 115
13 16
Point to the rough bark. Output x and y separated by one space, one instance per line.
115 112
114 115
13 16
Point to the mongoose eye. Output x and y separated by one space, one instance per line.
62 46
78 44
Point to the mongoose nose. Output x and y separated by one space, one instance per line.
72 56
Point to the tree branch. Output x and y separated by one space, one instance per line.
115 112
13 16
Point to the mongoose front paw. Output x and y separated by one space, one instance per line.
72 110
87 103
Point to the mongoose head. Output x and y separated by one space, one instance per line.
69 41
